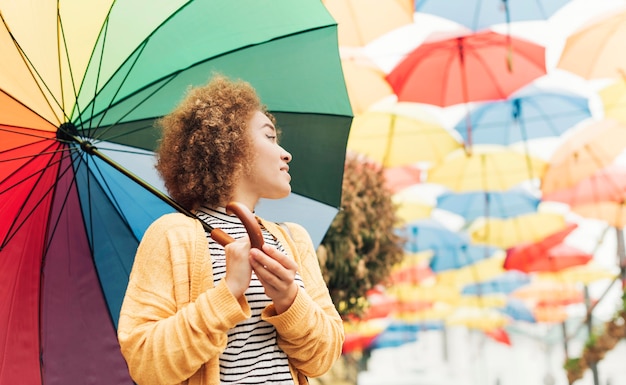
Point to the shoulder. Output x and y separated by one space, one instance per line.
171 224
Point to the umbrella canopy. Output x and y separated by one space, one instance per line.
400 134
503 283
613 99
509 232
486 168
595 51
605 185
547 254
480 14
590 148
366 84
494 204
361 21
526 117
614 213
80 86
477 67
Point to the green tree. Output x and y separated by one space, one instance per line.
361 246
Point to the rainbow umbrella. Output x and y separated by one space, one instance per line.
80 86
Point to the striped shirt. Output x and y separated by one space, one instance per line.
252 355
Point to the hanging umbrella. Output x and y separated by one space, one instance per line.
366 83
547 254
503 283
582 274
614 213
476 67
509 232
596 50
486 168
494 204
605 185
524 117
613 99
400 134
361 21
480 14
590 148
401 177
80 86
481 270
518 310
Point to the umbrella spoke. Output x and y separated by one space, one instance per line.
22 212
36 76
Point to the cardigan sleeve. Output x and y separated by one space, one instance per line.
163 336
311 331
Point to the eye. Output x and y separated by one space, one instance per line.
271 137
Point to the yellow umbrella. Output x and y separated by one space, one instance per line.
584 274
482 270
439 311
361 21
477 318
365 83
509 232
395 135
592 147
614 100
597 50
425 293
614 213
486 168
410 205
491 300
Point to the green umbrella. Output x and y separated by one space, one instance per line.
81 83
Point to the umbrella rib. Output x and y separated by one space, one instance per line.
13 227
33 72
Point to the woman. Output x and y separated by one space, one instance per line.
196 312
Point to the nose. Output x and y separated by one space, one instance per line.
286 156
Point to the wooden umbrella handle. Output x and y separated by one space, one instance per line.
249 222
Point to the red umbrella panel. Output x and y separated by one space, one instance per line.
548 254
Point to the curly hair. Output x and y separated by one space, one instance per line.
205 147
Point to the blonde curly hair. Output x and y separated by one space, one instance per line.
205 146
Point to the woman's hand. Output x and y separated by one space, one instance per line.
238 269
277 273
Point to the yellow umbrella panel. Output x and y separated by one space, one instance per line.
397 139
614 100
509 232
486 168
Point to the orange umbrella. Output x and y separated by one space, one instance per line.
597 50
549 293
614 213
589 149
366 84
361 21
606 184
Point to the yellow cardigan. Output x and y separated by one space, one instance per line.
173 323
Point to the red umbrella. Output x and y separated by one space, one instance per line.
476 67
549 254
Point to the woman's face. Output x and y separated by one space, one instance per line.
268 176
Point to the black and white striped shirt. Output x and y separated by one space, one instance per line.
252 355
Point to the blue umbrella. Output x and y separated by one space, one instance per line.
521 118
400 333
494 204
430 234
505 283
518 310
480 14
457 257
